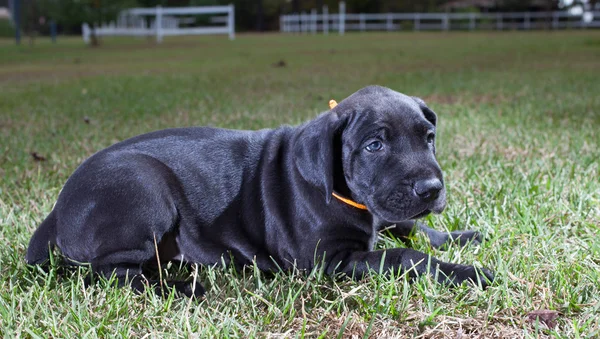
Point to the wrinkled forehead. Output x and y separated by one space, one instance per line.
380 99
391 103
385 108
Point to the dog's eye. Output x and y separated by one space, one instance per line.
430 137
374 146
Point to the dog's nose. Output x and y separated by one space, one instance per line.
429 189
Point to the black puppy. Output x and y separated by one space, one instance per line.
316 193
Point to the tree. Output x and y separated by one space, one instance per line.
260 16
71 14
31 20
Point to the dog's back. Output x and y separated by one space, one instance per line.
162 176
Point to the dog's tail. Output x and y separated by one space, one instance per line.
42 241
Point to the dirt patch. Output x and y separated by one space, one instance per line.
150 45
466 98
352 325
81 71
445 99
49 75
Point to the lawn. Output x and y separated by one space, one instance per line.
518 139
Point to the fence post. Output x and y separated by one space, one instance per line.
362 24
158 23
16 15
389 22
85 32
313 21
417 22
554 20
472 21
53 31
304 22
294 23
446 21
231 22
325 19
527 23
499 21
342 25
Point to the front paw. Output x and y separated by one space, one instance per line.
188 289
456 275
441 240
465 237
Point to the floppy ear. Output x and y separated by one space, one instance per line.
314 153
429 114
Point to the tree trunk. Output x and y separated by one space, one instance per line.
32 25
549 5
319 5
260 18
94 41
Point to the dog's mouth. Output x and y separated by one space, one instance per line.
416 216
420 215
401 206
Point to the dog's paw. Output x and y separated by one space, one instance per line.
456 275
188 289
463 238
441 240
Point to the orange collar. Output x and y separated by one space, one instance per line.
349 202
332 104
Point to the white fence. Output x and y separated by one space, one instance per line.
313 22
165 21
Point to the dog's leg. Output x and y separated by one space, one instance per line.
413 263
187 288
437 239
125 274
131 275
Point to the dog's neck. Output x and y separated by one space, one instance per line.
340 187
341 191
348 201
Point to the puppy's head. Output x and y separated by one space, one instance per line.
378 147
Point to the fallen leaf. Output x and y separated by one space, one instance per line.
547 317
280 63
37 157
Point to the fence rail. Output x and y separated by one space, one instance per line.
164 22
314 22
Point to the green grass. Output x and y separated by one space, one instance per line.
519 115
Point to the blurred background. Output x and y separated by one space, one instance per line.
38 16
